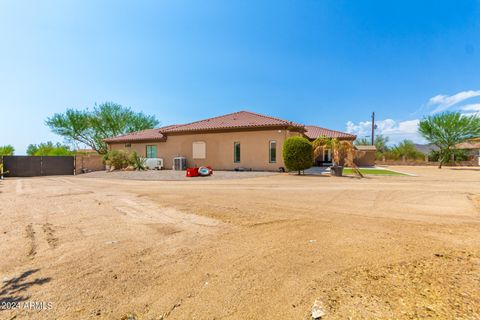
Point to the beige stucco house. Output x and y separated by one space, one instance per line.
237 140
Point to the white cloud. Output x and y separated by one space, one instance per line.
443 102
471 107
396 131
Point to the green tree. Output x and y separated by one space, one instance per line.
7 150
104 121
448 129
381 143
406 149
363 142
297 154
49 149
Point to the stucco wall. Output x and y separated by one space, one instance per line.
365 158
90 162
219 149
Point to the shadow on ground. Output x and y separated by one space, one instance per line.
14 290
466 169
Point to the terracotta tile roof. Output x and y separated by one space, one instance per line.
144 135
237 120
366 148
313 132
472 144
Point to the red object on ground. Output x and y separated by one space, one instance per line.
192 172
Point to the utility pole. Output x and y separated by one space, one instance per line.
373 128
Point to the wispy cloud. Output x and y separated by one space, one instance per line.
443 102
396 131
471 107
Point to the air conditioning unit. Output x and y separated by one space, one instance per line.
154 163
179 163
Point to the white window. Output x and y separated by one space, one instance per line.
199 150
272 151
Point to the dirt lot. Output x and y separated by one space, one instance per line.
172 175
260 248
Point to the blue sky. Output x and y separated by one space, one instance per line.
324 62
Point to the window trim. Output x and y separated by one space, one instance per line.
204 150
270 151
235 152
147 153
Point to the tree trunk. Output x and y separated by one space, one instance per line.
441 158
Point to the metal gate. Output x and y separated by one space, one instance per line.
31 166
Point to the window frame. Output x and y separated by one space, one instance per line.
204 156
270 151
147 153
235 152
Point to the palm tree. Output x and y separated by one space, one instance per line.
343 152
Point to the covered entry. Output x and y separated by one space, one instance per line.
324 158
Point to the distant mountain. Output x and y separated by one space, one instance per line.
426 148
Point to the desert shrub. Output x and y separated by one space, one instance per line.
459 155
137 161
406 149
116 158
121 159
391 155
297 154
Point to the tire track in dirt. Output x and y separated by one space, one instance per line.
32 243
49 232
475 199
19 188
147 212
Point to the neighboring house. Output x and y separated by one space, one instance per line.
365 155
472 147
237 140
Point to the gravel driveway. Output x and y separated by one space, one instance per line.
171 175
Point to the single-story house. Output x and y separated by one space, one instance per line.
472 146
237 140
365 155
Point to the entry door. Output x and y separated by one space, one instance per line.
327 155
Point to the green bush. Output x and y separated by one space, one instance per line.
138 162
116 158
459 155
121 159
297 154
406 149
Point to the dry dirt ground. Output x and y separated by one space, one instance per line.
260 248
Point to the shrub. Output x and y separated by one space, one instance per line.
297 154
120 159
406 149
459 155
138 162
116 158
